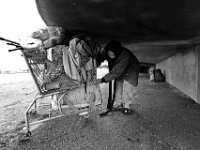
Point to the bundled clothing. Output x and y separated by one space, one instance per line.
77 62
50 36
71 62
89 49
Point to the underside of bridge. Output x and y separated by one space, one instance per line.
165 33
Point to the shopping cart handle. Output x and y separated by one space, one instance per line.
2 39
13 42
16 49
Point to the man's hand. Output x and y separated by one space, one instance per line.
100 81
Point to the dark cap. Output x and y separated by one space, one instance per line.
114 46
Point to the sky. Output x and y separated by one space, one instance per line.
19 18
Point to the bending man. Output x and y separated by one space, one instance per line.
124 70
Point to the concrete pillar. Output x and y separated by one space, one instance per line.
198 72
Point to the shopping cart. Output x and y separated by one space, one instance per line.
60 86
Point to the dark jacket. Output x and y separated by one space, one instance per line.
126 66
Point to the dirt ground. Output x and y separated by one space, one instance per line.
163 119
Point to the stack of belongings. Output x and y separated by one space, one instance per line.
80 67
158 76
68 67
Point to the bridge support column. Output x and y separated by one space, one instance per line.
198 72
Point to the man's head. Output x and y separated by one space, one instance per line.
113 49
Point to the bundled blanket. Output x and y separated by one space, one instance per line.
50 36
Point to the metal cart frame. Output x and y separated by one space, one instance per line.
41 94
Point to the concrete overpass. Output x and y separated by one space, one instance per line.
165 33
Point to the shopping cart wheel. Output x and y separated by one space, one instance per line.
28 134
103 114
24 136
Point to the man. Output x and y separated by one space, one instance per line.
124 70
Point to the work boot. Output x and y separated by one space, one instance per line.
105 113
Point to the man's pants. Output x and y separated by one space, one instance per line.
124 93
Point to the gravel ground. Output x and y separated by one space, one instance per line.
163 119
